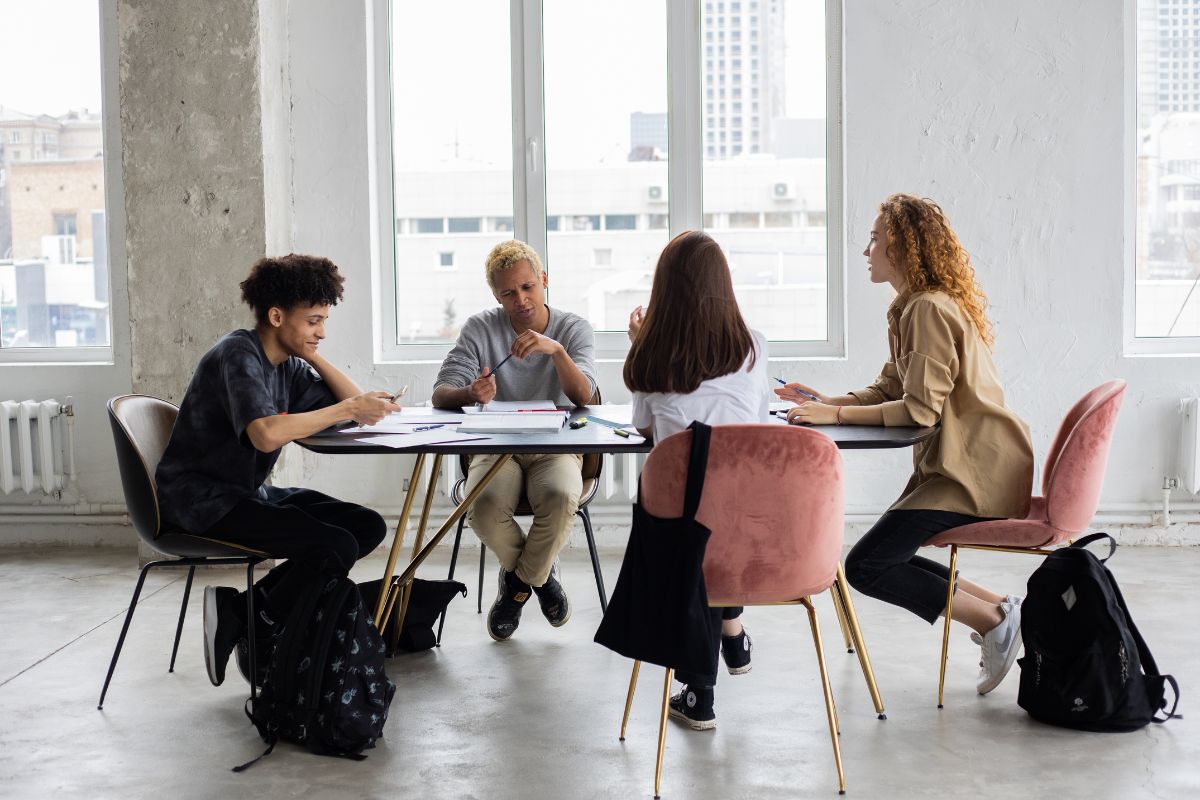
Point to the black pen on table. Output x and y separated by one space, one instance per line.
809 395
429 427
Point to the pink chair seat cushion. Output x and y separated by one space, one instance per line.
1033 531
776 531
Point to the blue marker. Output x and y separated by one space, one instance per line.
800 391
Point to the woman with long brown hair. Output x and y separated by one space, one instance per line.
940 372
693 358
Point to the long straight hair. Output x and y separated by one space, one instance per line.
693 330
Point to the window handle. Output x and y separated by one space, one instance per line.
532 161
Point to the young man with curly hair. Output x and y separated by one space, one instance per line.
252 393
554 361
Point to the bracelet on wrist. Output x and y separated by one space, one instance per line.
839 415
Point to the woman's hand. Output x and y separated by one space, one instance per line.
811 412
799 393
636 318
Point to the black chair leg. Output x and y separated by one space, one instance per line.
187 590
479 594
450 575
137 592
251 624
591 540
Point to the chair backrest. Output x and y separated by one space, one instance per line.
141 427
1075 465
773 501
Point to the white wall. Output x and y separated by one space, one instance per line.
1009 114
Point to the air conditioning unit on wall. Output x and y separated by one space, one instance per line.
656 194
783 190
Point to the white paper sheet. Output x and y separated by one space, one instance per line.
401 441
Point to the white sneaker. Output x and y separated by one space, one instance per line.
1012 598
1000 647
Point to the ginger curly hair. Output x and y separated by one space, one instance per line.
922 244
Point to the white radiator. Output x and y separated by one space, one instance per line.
32 446
1189 446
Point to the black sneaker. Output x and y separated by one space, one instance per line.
262 643
736 652
222 628
556 607
505 615
693 706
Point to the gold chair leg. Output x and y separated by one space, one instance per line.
840 609
420 540
830 708
946 627
842 591
662 733
398 541
637 665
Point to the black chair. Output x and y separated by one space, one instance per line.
141 427
593 463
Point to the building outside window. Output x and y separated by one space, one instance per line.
54 273
593 189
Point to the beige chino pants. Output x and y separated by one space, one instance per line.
552 483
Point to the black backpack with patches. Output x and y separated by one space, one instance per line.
325 685
1086 665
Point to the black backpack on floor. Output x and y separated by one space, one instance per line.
1086 665
325 685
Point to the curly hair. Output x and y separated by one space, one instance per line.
923 246
509 253
288 281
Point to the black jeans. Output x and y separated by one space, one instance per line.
884 563
299 525
718 614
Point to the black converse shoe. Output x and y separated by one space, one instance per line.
736 652
222 628
505 615
693 706
556 607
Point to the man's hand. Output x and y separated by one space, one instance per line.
636 318
799 393
483 390
370 407
531 342
811 412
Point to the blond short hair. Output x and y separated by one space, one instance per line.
507 254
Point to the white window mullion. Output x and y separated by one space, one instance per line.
685 173
528 114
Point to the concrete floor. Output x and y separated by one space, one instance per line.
537 717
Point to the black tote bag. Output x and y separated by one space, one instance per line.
658 612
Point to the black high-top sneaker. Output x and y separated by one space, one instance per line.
693 706
505 615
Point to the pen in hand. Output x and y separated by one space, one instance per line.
403 391
809 395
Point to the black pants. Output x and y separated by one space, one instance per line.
299 525
884 563
718 614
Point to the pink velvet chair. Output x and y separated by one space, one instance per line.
1071 483
773 501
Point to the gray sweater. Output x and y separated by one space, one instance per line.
486 339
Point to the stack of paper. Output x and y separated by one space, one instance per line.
517 422
513 407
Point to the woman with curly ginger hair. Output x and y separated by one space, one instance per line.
979 465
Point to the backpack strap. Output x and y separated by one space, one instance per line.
697 466
1095 537
1148 664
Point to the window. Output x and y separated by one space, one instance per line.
54 260
446 259
1162 301
594 136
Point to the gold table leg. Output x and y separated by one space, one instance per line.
429 493
397 542
842 591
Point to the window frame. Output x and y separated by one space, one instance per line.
685 55
114 217
1138 346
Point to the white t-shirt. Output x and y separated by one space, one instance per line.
739 397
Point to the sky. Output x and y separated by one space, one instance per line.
41 77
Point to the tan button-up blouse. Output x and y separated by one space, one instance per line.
980 462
